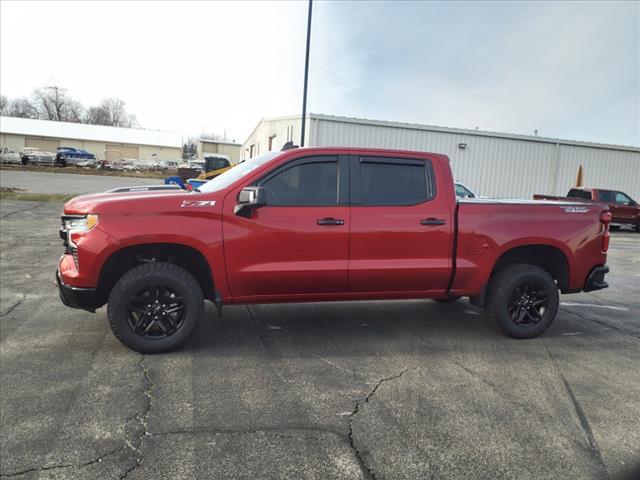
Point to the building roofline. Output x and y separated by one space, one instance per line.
459 131
221 142
480 133
93 133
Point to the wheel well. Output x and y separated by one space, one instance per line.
550 259
124 260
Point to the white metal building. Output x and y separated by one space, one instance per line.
491 163
219 147
106 143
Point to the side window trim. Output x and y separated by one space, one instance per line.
355 178
342 177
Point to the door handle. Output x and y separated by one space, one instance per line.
432 221
330 221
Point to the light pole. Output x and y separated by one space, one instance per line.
306 76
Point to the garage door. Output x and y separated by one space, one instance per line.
209 147
42 144
118 152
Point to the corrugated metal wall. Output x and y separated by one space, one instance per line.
493 166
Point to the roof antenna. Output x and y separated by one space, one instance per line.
288 146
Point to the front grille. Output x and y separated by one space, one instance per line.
74 252
68 247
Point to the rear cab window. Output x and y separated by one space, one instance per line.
391 181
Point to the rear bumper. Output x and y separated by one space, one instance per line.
75 297
595 280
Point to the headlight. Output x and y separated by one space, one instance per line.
79 223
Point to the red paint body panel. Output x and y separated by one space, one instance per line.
485 233
281 254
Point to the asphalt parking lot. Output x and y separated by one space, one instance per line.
384 390
41 182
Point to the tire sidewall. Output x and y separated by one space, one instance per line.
135 280
504 293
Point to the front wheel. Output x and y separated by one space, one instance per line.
638 226
522 300
154 307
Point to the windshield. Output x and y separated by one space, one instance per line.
225 179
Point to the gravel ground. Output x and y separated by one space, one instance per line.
362 390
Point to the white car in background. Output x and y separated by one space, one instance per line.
35 156
8 155
462 191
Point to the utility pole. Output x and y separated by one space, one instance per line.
306 76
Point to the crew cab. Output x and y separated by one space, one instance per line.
624 210
324 224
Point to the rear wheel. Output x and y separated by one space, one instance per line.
154 307
522 300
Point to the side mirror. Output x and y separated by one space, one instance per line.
248 199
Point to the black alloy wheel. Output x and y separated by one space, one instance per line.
156 312
528 304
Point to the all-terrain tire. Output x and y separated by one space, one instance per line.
171 277
507 285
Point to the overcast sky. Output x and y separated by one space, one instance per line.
569 70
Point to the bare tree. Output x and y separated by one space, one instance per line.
4 105
110 112
22 108
53 103
190 148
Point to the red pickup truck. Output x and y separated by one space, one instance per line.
624 210
324 224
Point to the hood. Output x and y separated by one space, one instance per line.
131 202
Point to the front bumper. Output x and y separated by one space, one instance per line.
75 297
595 280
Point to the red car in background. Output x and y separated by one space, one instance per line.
624 210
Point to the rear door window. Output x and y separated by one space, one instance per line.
395 181
606 196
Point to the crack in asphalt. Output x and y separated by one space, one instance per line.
14 306
135 445
55 467
22 210
365 468
592 444
599 322
258 331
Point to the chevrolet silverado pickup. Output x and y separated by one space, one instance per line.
324 224
624 210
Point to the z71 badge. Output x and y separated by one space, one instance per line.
576 209
198 203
